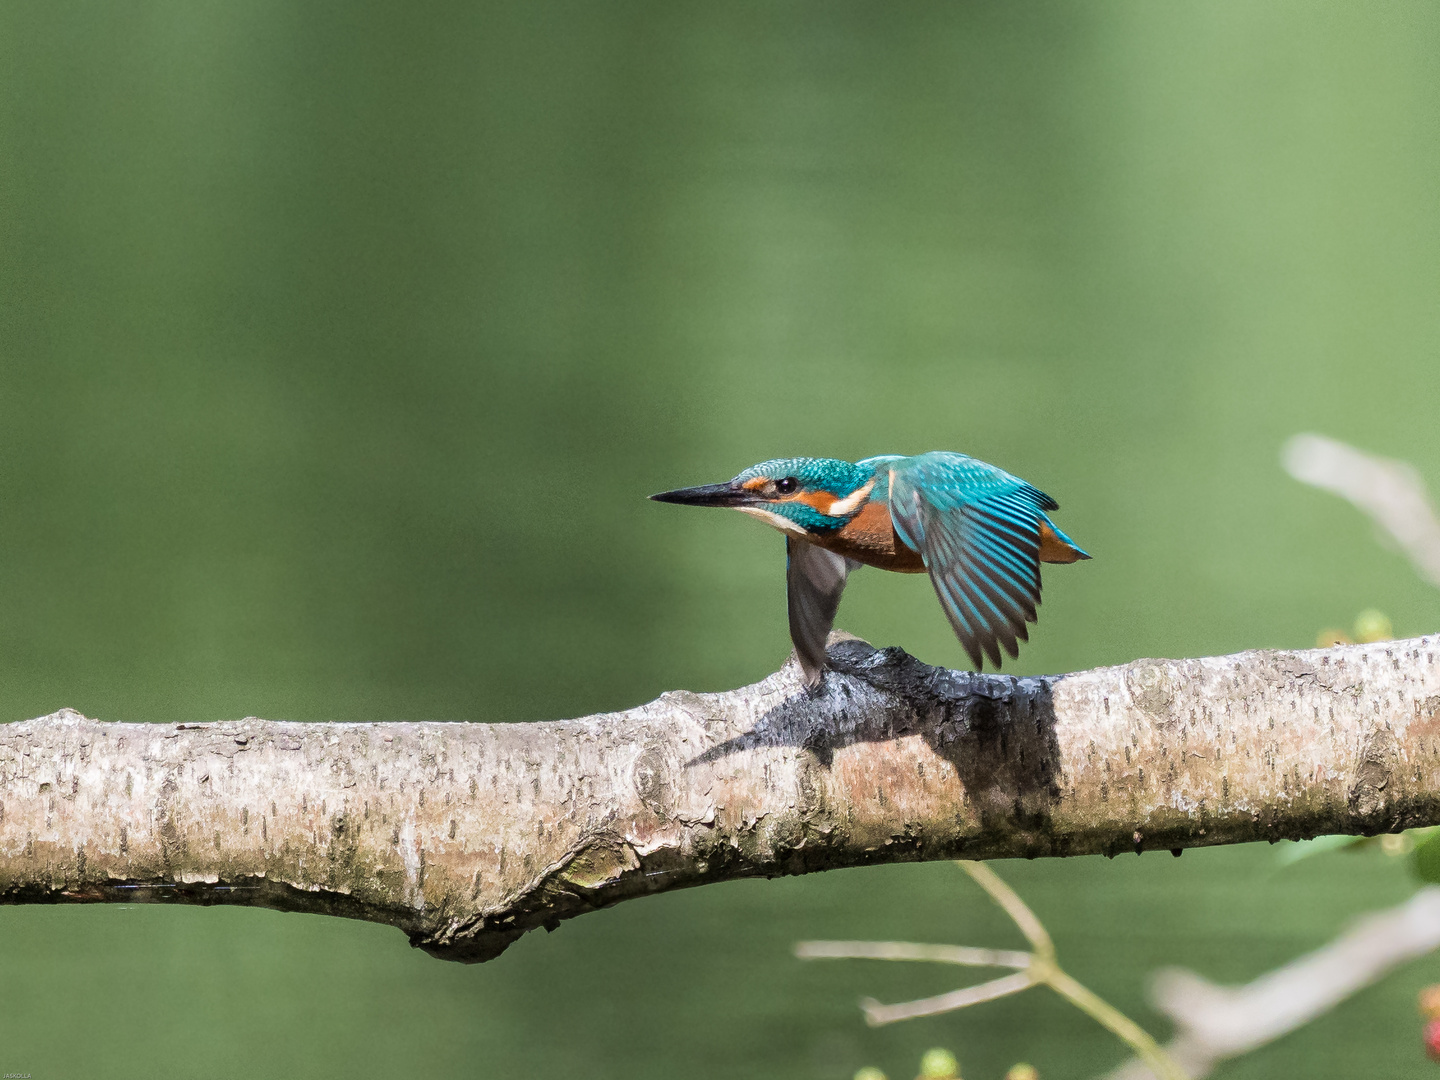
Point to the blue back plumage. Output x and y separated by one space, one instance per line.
979 531
950 479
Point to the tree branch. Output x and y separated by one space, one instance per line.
1215 1023
1391 492
467 835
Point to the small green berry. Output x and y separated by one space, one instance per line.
939 1064
1023 1071
1372 625
869 1072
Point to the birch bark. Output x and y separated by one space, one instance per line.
467 835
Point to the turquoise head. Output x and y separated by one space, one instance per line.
801 496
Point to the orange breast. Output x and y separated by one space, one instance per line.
869 537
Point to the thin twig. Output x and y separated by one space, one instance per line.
1111 1018
1033 929
1039 968
877 1014
1045 969
907 950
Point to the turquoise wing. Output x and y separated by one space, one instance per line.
978 530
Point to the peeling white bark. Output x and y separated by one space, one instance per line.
467 835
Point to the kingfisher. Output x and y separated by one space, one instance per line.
979 532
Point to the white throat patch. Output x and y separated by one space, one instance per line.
778 521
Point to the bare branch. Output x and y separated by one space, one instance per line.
467 835
877 1014
963 955
1215 1023
1041 968
1390 492
1010 902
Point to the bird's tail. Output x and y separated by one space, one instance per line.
1056 547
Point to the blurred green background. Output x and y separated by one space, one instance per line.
340 344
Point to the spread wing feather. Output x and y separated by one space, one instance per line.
977 528
814 580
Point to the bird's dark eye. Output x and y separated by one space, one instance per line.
786 485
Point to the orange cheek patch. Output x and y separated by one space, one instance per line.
755 483
817 500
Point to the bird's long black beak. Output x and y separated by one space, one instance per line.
708 495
